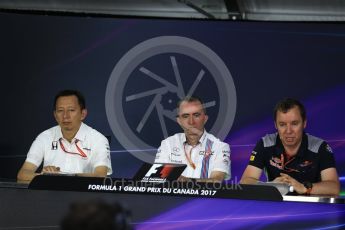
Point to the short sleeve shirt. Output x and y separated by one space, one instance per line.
174 150
313 156
87 150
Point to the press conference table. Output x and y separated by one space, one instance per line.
46 200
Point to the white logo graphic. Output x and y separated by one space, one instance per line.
153 169
174 67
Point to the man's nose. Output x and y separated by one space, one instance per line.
288 129
66 114
191 120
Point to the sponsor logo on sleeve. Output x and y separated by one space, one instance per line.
226 156
329 149
252 157
226 162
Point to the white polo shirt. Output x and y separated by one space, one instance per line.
51 148
174 150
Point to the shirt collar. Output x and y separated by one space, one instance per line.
58 133
81 134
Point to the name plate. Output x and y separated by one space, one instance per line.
174 188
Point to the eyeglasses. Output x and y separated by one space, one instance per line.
80 151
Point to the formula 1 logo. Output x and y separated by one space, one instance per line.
152 77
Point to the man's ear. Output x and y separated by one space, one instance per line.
305 124
83 114
55 115
275 125
178 120
206 119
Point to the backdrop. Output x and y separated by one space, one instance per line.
132 71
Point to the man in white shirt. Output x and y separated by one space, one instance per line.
71 147
207 158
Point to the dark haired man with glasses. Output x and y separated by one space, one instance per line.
292 156
71 147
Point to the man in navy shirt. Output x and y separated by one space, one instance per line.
292 156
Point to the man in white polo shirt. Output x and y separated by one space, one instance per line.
207 158
71 147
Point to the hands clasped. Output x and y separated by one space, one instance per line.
285 178
50 169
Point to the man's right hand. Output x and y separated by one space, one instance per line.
183 179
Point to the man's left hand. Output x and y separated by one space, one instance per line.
298 187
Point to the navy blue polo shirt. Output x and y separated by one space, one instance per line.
313 156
